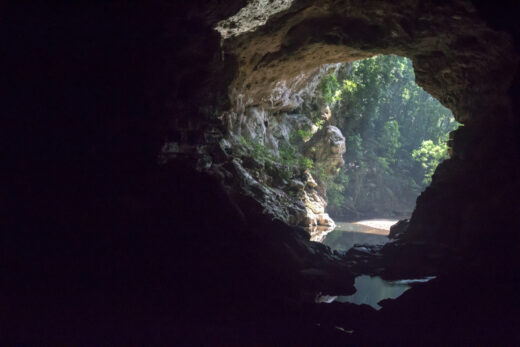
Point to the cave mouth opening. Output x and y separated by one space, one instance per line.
395 133
355 141
272 70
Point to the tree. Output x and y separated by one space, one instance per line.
430 155
387 120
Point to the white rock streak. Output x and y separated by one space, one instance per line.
250 17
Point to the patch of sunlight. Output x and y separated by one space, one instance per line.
371 226
381 224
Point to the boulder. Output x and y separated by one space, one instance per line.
326 148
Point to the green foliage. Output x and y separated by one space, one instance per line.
319 123
292 161
258 151
336 189
306 163
390 140
321 173
288 164
305 135
430 155
348 86
384 116
329 89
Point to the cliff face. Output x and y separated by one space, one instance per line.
274 147
269 149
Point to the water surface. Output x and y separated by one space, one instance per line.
371 290
368 232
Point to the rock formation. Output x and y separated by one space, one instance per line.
258 135
130 217
326 148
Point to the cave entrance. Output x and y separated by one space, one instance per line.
395 134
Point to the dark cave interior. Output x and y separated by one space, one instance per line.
127 221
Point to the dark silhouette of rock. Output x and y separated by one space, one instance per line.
124 222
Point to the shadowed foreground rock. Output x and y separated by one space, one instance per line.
126 219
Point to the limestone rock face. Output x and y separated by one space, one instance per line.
300 201
317 222
447 42
270 127
326 148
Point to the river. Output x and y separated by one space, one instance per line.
368 232
369 290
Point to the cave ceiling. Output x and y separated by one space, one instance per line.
457 57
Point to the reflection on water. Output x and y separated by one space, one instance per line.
369 232
344 240
371 290
381 224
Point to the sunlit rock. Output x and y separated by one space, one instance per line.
324 219
250 17
309 180
326 148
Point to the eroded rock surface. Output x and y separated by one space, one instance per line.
259 135
308 34
326 148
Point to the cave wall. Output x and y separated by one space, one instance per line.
448 43
108 234
460 59
93 225
266 149
154 80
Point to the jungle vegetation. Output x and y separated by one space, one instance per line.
395 136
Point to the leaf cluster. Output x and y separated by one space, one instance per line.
430 154
386 119
288 164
